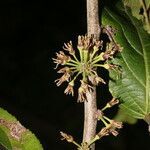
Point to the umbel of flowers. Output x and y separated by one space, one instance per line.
111 127
83 61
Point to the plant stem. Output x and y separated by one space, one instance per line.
94 140
75 143
93 26
90 106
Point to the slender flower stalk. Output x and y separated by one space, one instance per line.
69 139
110 104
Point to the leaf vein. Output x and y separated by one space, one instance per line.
145 61
133 111
124 58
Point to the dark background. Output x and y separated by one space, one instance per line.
30 34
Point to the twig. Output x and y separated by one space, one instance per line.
90 106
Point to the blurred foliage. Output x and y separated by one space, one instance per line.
141 10
14 136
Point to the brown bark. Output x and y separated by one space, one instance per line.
90 106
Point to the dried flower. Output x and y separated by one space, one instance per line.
84 43
66 137
113 132
96 80
116 124
64 70
113 102
113 127
83 89
81 95
68 47
111 49
97 44
104 132
64 78
88 42
69 89
61 58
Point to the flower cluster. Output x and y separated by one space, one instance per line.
111 126
91 55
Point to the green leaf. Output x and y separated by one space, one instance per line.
9 133
147 2
133 88
123 117
135 5
4 140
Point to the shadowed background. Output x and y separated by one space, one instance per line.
30 34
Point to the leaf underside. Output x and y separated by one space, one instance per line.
133 88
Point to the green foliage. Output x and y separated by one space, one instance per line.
133 88
123 117
135 5
13 136
141 10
